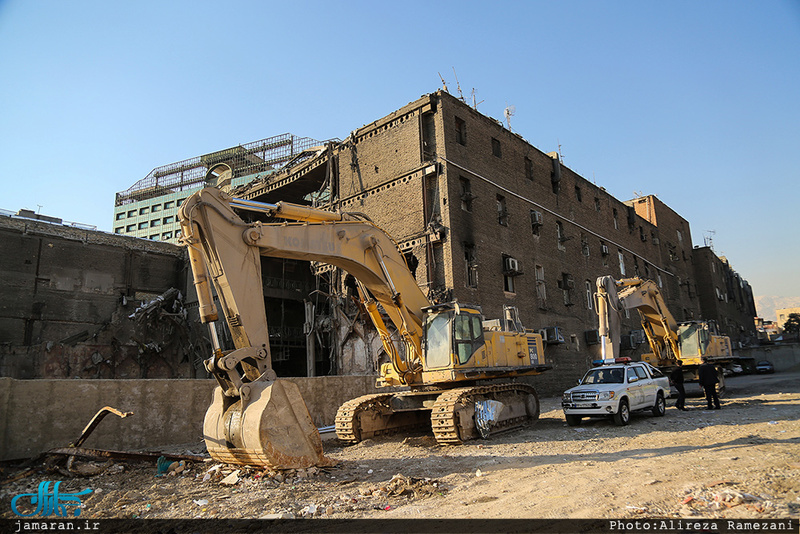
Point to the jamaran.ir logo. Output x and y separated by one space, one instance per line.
49 502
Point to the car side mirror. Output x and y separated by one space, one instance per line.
633 379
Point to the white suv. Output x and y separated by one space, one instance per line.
615 390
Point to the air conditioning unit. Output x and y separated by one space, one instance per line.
592 337
552 335
511 264
638 336
536 218
604 250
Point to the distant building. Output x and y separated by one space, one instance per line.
149 208
783 314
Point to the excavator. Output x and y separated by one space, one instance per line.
669 340
445 361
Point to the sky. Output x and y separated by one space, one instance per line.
695 102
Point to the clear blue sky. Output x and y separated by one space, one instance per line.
696 102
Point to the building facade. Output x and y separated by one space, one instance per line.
491 220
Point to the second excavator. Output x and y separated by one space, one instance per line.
455 370
670 341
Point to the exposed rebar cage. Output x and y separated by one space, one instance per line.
264 156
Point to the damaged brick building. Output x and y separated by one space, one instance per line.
483 217
487 218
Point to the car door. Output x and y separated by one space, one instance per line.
634 388
647 386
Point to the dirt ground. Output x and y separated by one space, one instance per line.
742 461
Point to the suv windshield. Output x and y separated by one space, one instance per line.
604 376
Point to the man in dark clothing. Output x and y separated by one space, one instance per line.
676 377
707 375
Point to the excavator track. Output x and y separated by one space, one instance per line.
371 415
452 417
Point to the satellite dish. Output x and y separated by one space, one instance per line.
508 113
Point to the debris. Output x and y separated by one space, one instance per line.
478 473
162 465
200 502
231 480
281 515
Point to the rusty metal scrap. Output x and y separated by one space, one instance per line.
122 455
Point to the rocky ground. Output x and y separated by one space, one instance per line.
739 462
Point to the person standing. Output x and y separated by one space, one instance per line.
676 377
707 375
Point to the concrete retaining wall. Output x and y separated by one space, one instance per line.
784 357
38 415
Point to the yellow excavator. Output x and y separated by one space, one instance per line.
446 358
669 340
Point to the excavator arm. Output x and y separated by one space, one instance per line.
224 251
660 327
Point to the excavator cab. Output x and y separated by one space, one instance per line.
452 335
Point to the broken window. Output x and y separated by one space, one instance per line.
471 265
496 150
528 168
578 194
596 204
566 284
461 131
508 283
466 194
584 245
536 221
502 210
588 286
560 234
541 290
616 222
621 262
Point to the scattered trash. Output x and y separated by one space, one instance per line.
478 473
200 502
772 423
162 465
231 480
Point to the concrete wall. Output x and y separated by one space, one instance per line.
38 415
784 357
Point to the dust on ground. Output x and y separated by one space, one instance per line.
742 461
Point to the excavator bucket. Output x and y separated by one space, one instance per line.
268 425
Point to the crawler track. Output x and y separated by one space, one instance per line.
451 419
452 415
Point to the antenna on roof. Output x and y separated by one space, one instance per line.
560 155
444 83
475 104
458 86
708 240
508 113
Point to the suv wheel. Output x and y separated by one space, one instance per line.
623 415
574 420
660 407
